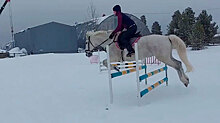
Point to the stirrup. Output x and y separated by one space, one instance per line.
130 54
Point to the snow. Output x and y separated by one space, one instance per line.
216 35
18 50
2 51
15 50
21 31
100 19
66 88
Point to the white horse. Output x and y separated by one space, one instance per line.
152 45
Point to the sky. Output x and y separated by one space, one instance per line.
30 13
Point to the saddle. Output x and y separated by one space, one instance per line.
135 38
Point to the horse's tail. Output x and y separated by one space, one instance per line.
180 46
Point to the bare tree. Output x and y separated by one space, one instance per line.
92 10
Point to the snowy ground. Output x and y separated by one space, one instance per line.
66 88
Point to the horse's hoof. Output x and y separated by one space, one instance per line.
186 85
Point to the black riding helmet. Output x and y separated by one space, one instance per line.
117 8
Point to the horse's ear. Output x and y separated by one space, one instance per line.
89 33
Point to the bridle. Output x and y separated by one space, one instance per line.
98 47
95 48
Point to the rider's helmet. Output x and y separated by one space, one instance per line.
117 8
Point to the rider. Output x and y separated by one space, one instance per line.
124 22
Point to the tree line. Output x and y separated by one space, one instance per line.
196 32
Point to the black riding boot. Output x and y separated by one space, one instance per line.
130 50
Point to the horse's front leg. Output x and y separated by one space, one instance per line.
112 67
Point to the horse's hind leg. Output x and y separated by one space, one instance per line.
178 66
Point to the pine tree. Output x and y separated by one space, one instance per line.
173 27
197 37
185 25
143 19
156 28
209 27
214 30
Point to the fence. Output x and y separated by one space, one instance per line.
135 68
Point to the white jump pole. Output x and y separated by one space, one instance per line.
109 75
137 74
100 69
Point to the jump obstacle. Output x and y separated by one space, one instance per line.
139 79
148 61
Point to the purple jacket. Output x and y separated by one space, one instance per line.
123 22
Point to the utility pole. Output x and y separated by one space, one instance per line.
3 6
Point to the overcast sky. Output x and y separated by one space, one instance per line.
29 13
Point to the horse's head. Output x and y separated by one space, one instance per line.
96 41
